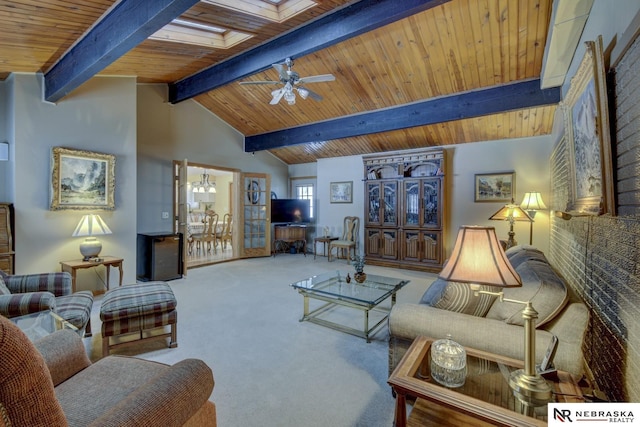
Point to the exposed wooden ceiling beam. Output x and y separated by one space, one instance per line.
466 105
351 21
125 26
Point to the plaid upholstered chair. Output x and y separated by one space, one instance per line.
22 294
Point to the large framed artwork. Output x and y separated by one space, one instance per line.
586 118
82 180
495 187
341 192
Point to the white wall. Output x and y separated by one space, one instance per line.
6 135
98 116
169 132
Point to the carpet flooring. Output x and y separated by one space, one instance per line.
270 369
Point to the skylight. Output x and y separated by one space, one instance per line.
273 10
196 33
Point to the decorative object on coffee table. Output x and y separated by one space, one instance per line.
478 259
358 264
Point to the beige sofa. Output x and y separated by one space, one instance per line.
485 323
53 383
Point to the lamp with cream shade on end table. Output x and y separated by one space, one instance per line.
91 225
478 259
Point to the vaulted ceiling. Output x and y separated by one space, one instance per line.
409 74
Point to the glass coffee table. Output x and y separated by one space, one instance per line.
333 289
485 398
40 324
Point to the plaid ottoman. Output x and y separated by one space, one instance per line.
138 308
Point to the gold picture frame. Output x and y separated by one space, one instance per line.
82 180
494 187
586 119
341 192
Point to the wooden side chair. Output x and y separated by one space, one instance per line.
224 235
349 238
208 236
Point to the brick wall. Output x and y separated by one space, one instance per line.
600 256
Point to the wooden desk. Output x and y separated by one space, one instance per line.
107 261
324 241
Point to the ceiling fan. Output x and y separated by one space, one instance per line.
292 82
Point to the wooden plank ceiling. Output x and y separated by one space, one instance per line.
461 46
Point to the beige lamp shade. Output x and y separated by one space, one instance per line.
532 202
511 212
91 225
478 259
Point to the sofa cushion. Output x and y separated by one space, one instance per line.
458 297
540 285
26 388
519 254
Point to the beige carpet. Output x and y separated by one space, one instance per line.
242 319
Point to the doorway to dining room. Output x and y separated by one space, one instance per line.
210 189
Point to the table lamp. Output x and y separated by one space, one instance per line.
478 259
532 203
91 225
512 213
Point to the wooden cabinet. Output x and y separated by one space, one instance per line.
404 209
7 240
289 236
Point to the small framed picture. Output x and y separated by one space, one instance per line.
495 187
341 192
82 180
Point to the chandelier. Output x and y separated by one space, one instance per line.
204 186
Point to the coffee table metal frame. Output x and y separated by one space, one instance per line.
333 289
406 381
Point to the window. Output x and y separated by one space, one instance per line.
305 192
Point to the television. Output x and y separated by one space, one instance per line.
290 211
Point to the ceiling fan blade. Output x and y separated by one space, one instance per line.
304 93
261 82
282 72
277 96
317 79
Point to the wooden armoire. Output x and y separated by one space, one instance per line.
404 222
7 248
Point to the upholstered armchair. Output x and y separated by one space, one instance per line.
52 382
22 294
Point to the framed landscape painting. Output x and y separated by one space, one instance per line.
495 187
82 180
586 117
341 192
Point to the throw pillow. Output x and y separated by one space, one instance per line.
458 297
3 288
26 388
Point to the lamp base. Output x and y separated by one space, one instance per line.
532 390
90 248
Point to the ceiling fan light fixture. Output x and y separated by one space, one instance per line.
303 92
290 97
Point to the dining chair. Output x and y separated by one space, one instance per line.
208 236
349 238
224 233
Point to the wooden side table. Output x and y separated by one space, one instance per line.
324 241
107 261
485 396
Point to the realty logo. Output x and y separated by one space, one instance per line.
595 414
562 415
